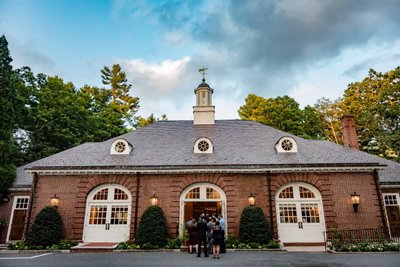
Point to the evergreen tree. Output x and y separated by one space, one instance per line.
253 226
141 122
47 229
122 104
152 229
8 118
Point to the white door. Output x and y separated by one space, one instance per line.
108 214
300 214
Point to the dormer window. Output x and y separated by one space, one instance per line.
120 147
286 145
203 145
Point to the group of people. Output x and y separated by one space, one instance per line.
209 231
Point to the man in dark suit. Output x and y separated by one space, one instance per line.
201 234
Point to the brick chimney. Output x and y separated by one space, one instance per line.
350 138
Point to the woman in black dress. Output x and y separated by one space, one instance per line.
217 239
192 233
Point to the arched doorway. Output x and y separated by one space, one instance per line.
199 198
300 214
107 216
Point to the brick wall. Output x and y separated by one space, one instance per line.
335 189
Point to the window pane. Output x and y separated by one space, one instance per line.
306 193
98 214
286 193
194 193
120 195
287 213
390 200
22 203
212 194
119 214
309 213
101 195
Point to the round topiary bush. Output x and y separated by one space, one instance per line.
152 229
47 228
253 227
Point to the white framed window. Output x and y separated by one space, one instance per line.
286 145
17 218
120 147
203 145
392 207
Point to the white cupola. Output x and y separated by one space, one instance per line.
203 111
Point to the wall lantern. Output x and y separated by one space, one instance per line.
54 201
154 200
251 199
355 199
5 197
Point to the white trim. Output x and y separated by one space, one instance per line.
208 151
392 194
203 198
12 214
279 148
205 170
90 201
127 150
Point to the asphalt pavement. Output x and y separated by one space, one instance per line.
231 259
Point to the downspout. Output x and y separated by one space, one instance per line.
28 221
382 210
271 217
136 202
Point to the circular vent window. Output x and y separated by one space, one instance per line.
120 147
203 146
287 145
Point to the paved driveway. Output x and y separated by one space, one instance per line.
231 259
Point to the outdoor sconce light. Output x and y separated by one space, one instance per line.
355 199
154 200
251 199
5 197
55 201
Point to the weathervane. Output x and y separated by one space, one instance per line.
203 72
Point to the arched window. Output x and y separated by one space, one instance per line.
203 145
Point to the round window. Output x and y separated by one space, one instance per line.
203 146
287 145
120 147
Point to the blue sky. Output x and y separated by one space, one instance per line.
307 49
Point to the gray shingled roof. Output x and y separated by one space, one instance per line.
167 144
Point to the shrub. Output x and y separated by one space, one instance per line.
152 231
46 230
253 227
272 244
19 245
174 243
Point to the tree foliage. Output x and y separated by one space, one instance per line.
253 226
8 117
152 228
375 102
282 113
141 122
121 102
47 228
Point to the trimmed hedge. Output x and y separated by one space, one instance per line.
47 229
254 227
152 231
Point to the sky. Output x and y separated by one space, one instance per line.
307 49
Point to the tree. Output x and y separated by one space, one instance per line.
121 102
152 229
330 114
59 120
312 125
375 103
8 117
253 226
282 113
47 228
141 122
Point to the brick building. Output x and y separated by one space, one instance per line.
304 186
